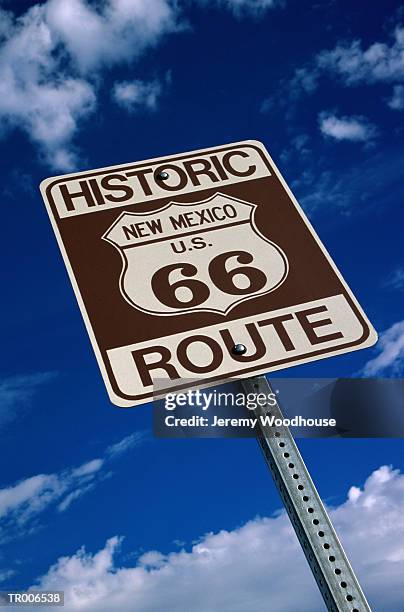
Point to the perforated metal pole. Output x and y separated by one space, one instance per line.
328 562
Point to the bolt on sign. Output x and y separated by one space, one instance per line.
175 260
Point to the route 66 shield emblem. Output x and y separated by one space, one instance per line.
201 256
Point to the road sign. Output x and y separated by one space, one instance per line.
175 260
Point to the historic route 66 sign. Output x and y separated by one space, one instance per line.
209 270
177 259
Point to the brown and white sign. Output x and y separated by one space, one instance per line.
174 260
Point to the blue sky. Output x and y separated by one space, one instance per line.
322 85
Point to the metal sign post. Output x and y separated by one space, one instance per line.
328 562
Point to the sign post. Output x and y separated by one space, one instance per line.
328 562
179 262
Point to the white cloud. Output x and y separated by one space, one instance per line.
5 23
74 495
354 128
22 502
353 190
396 279
305 79
17 391
52 58
396 101
320 191
353 65
116 33
6 574
127 443
245 7
133 95
379 63
390 358
300 143
35 94
18 503
88 468
299 147
248 568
